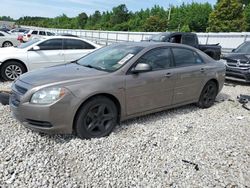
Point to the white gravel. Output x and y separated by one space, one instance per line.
143 152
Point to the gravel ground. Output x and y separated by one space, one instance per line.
183 147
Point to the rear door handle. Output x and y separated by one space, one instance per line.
168 75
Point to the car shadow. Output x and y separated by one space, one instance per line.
146 119
235 83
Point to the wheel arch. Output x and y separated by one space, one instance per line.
17 60
215 81
107 95
7 41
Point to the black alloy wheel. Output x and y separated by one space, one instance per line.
96 118
208 95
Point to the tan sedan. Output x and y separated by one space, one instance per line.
91 95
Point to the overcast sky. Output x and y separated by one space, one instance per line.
53 8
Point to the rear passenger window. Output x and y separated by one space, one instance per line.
34 32
76 44
185 57
42 33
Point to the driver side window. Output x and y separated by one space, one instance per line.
158 59
52 44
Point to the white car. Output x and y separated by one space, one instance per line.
39 53
17 31
31 34
7 40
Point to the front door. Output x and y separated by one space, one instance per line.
153 89
50 54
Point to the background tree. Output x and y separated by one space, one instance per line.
227 17
247 17
82 20
155 23
119 14
194 15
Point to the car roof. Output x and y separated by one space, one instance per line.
147 44
69 37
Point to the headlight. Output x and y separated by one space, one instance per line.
48 95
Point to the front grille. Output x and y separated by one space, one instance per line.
14 99
236 76
20 89
44 124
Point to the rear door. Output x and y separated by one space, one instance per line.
50 54
75 49
191 74
153 89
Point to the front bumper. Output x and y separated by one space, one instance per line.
54 118
238 74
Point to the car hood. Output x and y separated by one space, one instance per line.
234 57
11 50
60 74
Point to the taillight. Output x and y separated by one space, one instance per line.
20 37
29 35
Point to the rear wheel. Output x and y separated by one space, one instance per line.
7 44
208 95
96 118
12 70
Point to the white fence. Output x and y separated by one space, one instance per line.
228 41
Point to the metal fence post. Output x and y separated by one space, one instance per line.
142 37
245 38
107 38
207 38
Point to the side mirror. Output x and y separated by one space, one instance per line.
36 48
141 67
233 50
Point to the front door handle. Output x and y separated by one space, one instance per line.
168 75
202 69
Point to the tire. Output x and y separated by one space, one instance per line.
208 95
12 70
7 44
96 118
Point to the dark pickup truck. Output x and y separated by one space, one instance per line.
191 39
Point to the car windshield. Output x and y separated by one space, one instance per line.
243 48
27 44
158 37
110 58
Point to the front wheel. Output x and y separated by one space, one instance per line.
208 95
7 44
96 118
12 70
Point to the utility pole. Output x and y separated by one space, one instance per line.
169 15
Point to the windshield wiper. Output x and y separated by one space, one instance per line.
94 67
89 66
